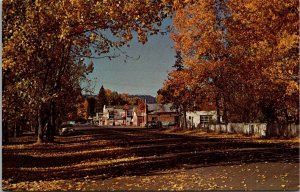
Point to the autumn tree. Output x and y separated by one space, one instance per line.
126 98
45 43
141 105
178 62
270 51
176 90
200 37
81 108
115 98
135 100
244 54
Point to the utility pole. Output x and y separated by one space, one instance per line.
146 116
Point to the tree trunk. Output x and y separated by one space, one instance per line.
184 118
218 109
225 116
51 125
287 124
5 132
40 129
16 128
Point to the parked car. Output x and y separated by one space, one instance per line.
83 124
66 129
165 124
172 124
153 124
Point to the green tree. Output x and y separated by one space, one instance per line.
102 99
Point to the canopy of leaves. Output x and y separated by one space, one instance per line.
45 44
244 54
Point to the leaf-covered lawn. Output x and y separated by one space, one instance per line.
140 159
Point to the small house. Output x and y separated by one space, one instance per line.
163 114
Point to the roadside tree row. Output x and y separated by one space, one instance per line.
47 48
242 54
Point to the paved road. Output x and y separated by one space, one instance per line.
115 158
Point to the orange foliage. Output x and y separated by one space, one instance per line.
242 54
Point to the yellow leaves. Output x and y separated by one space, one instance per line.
142 37
14 186
259 50
7 63
257 47
292 88
251 6
261 45
287 41
37 3
92 37
73 2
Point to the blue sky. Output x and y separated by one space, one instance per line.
142 76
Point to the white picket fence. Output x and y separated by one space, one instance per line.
291 130
259 129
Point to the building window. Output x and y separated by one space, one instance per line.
210 101
111 114
205 118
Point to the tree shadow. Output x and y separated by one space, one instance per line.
141 152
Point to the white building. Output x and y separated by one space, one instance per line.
201 118
116 115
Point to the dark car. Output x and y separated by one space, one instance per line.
153 124
66 129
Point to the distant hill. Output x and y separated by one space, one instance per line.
149 99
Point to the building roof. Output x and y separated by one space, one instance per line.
159 108
89 96
119 106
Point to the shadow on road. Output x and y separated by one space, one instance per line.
113 152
